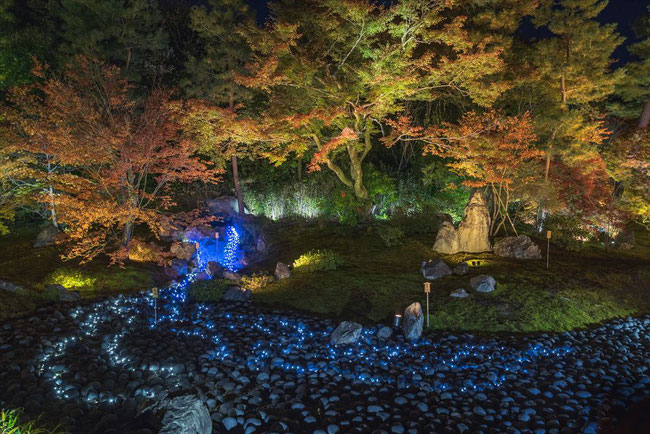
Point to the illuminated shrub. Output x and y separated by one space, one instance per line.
316 260
256 281
71 279
568 231
208 290
391 235
106 279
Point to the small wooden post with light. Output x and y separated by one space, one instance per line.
427 291
548 246
154 293
216 237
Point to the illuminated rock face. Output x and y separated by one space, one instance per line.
474 230
473 233
346 333
185 415
520 247
447 239
413 322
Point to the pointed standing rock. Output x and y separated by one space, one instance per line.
474 230
413 322
447 239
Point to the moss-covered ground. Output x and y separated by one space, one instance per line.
375 282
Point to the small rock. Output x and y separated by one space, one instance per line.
435 269
384 332
282 271
459 293
483 283
347 332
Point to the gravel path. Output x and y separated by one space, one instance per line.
92 365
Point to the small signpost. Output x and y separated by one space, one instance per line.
427 291
548 246
154 293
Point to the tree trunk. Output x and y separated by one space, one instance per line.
52 210
644 119
235 178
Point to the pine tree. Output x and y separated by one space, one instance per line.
634 89
219 101
572 78
126 33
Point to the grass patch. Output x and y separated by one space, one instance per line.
208 290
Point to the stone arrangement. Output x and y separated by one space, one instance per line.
473 233
94 365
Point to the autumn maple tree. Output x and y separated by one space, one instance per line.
488 150
119 154
336 70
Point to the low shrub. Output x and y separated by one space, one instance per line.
208 290
317 260
567 231
391 235
256 281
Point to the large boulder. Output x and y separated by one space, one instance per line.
413 322
446 239
483 283
235 293
47 236
474 230
198 233
282 271
185 415
225 205
347 332
435 269
184 251
520 247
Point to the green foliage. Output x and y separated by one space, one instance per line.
317 260
99 280
391 235
10 423
208 290
567 231
256 281
129 34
